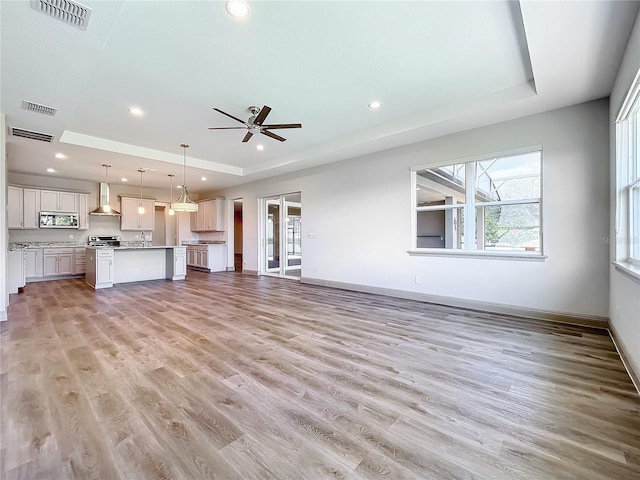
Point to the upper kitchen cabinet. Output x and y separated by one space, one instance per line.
83 211
31 203
209 217
15 213
52 201
131 219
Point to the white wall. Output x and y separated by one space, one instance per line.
359 211
625 292
4 291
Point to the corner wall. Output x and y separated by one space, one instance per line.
357 216
624 291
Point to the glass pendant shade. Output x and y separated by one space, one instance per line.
184 203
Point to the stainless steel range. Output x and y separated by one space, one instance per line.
104 241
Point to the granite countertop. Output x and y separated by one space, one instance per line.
204 242
133 247
19 245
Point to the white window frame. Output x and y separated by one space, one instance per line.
470 206
627 220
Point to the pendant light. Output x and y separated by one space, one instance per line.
140 206
184 203
171 210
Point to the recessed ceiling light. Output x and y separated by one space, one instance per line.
60 156
51 170
375 105
237 8
204 179
136 111
260 147
124 179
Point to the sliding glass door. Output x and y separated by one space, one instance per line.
282 235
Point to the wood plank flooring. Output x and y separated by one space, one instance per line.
230 376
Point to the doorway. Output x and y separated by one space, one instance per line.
282 235
237 235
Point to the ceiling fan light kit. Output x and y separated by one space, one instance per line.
184 203
255 123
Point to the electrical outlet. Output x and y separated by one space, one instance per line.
417 279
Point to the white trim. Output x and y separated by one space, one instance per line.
3 316
594 321
478 158
526 201
630 99
497 255
629 269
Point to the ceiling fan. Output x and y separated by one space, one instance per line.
255 123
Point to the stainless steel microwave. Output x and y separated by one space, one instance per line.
58 220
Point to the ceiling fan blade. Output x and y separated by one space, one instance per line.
227 128
262 115
272 135
283 125
247 137
230 116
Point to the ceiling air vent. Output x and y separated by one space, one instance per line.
19 132
35 107
66 11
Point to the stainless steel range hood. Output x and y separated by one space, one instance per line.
104 208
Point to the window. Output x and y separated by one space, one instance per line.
492 205
628 175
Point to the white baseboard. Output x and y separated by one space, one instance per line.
626 358
3 316
514 310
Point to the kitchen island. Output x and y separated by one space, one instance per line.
109 266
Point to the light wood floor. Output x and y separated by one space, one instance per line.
240 377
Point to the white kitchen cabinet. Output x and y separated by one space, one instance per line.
33 263
132 220
99 268
54 201
15 267
15 212
31 208
209 217
80 260
83 211
176 259
211 257
58 261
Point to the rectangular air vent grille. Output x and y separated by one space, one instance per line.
19 132
36 107
66 11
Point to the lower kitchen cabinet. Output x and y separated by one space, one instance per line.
80 257
58 261
33 267
211 257
177 263
99 268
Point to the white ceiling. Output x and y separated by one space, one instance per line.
437 67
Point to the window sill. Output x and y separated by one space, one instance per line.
628 269
478 254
